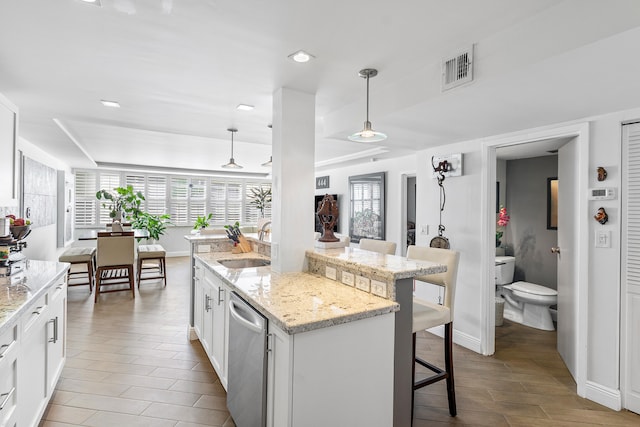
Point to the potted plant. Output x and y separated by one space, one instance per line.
202 221
155 225
121 200
260 198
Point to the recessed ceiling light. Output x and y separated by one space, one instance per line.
301 56
112 104
245 107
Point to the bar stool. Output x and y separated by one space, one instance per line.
148 253
80 256
380 246
427 315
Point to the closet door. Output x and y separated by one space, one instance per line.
630 293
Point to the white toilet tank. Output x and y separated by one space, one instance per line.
505 266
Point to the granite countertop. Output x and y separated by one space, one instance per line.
215 236
25 287
390 267
297 302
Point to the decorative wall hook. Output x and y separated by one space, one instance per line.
602 173
601 216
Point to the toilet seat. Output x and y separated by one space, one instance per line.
532 288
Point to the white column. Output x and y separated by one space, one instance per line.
293 179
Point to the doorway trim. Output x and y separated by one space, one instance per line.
404 178
581 132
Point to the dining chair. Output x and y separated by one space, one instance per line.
427 315
380 246
115 259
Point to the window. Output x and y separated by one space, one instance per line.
367 207
183 197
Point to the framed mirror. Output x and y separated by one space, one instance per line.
367 206
552 203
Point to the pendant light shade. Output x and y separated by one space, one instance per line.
232 163
367 134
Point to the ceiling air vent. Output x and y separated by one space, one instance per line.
457 70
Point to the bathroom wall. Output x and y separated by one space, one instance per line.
526 235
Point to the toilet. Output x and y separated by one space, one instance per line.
525 303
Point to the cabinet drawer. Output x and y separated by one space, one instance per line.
8 346
8 384
34 314
57 291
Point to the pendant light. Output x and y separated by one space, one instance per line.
232 163
367 134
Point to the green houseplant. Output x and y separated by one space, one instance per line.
260 198
202 221
155 225
121 200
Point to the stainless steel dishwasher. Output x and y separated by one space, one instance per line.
247 371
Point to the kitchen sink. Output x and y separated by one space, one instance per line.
244 262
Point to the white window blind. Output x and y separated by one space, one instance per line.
179 200
108 181
85 198
184 198
197 198
156 196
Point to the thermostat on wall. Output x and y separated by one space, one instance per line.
602 193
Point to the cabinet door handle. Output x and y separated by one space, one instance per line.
38 310
6 396
220 299
55 330
5 348
207 307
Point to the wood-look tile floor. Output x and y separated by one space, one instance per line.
129 363
525 383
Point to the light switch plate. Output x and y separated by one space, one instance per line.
603 238
363 283
379 288
330 273
348 278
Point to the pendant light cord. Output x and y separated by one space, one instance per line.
367 97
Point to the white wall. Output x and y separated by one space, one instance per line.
339 181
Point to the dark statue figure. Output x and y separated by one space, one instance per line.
328 215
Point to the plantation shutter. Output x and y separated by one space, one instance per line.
197 199
108 181
234 202
218 201
156 196
252 213
85 198
180 200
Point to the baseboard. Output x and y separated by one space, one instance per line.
460 338
605 396
177 254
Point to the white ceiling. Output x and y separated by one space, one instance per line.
180 67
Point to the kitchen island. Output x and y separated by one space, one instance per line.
33 306
335 349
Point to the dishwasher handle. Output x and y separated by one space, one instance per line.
234 311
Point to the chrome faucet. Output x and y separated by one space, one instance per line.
263 230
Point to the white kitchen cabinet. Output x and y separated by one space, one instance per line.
306 369
207 315
198 297
56 334
218 317
8 141
9 344
32 372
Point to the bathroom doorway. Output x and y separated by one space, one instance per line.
572 141
408 228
